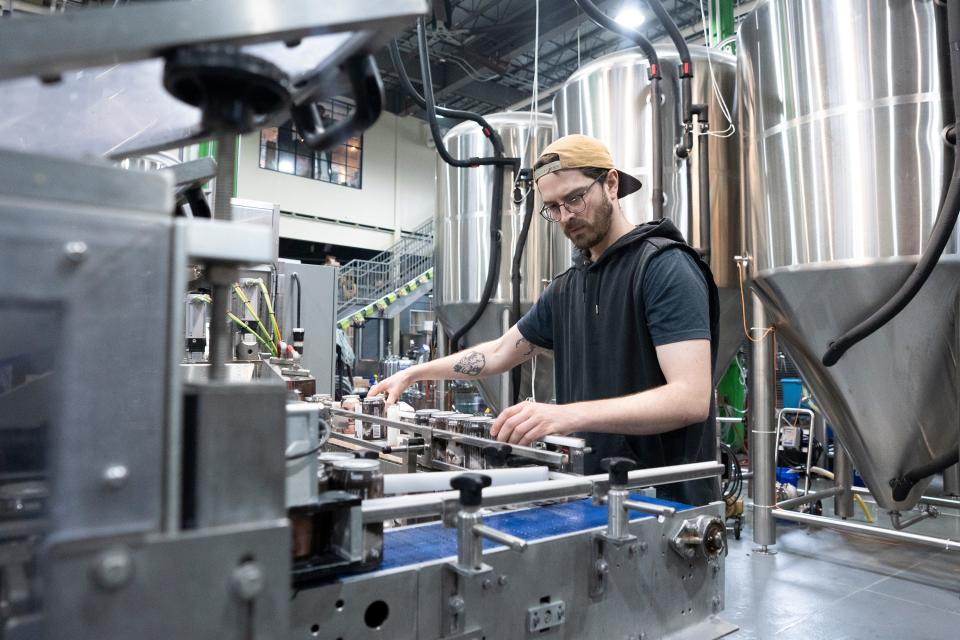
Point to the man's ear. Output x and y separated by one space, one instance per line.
612 183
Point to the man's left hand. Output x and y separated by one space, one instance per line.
528 422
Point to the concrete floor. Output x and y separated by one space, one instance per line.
823 584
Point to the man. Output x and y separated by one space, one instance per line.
633 328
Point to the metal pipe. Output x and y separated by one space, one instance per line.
649 507
703 165
888 534
899 524
440 385
469 548
762 434
811 496
616 516
416 506
661 475
931 500
506 398
843 478
436 504
515 543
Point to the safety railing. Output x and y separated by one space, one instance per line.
362 282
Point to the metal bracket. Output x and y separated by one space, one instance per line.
546 616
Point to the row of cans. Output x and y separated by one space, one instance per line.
456 453
357 427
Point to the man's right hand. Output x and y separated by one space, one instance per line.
393 386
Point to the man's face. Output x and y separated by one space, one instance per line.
590 226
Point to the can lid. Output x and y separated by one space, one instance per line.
426 412
374 399
357 464
333 456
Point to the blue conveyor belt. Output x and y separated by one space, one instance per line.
413 545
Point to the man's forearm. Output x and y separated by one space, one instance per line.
476 362
657 410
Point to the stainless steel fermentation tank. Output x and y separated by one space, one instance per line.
609 99
843 107
463 247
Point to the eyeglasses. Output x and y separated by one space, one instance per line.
574 203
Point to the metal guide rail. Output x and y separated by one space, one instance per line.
552 458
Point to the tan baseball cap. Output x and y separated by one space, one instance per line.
579 151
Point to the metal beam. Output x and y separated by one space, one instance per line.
94 37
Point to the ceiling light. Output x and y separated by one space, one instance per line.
630 16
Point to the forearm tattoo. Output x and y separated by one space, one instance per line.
523 341
471 364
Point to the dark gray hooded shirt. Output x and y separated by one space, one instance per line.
604 319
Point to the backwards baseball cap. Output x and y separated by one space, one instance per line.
577 151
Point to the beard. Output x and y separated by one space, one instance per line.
589 233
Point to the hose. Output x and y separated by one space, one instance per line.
902 485
243 325
243 298
606 22
457 114
942 228
499 162
515 281
295 277
273 316
686 64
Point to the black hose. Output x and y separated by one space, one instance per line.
500 164
515 281
457 114
653 74
902 485
686 64
295 277
497 159
942 228
703 161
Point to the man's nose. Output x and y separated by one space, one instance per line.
565 215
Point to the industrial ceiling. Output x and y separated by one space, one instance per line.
482 51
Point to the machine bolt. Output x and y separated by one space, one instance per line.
632 550
115 476
486 584
247 581
536 619
502 580
114 569
456 604
716 604
643 546
601 567
75 251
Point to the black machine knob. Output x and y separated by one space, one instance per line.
496 454
618 468
470 486
367 455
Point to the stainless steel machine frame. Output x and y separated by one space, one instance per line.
577 584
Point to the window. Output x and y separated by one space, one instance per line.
281 149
